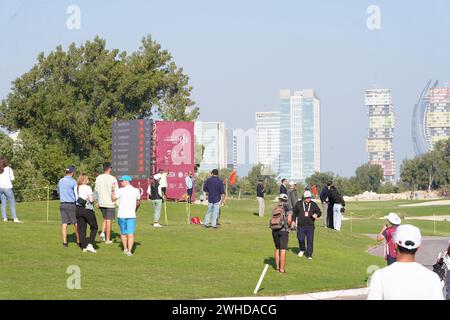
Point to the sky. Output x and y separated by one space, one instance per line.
239 54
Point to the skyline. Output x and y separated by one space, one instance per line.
251 50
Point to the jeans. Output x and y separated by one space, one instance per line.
8 195
261 206
214 209
337 216
156 209
308 233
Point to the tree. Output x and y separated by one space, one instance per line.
319 179
6 146
369 177
65 105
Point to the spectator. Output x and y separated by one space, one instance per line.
156 196
163 182
338 207
260 192
283 187
292 195
85 213
324 200
105 184
66 192
446 256
405 279
215 190
387 234
306 212
126 216
189 186
6 191
281 236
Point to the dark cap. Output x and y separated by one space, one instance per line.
70 169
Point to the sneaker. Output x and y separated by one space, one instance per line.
5 220
129 254
65 244
90 248
309 258
157 225
125 252
85 250
102 236
108 242
17 220
300 254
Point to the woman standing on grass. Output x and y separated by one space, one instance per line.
6 190
85 213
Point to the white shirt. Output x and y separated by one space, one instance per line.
84 192
104 185
128 197
405 281
6 178
163 181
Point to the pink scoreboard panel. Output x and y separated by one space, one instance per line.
173 150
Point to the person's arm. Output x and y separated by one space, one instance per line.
382 235
90 196
11 174
317 211
115 195
138 199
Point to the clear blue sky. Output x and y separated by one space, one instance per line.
238 55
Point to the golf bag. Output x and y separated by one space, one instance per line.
439 268
196 220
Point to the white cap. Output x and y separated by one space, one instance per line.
393 218
307 194
283 196
408 236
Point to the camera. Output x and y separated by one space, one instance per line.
342 209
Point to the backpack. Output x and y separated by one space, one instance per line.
278 220
439 268
196 220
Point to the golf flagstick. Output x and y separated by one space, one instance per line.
187 210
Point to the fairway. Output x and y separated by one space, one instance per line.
182 261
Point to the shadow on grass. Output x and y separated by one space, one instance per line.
271 262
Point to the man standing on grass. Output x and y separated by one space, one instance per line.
325 201
214 187
189 186
292 195
405 279
126 216
66 192
105 184
154 193
260 192
306 212
283 187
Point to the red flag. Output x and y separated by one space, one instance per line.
314 190
233 177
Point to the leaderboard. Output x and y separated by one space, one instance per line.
132 148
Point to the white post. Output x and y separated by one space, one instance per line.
261 279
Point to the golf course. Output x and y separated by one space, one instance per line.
182 261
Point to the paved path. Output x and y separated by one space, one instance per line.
428 203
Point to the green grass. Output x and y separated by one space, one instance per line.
184 261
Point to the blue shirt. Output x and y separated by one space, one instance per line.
66 189
214 187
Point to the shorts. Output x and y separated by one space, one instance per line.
127 225
68 213
108 213
189 192
280 239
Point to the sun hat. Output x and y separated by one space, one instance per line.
283 196
393 218
408 236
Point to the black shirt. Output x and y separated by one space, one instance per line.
154 191
283 189
304 213
260 191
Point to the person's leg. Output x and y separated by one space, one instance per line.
337 216
64 232
157 204
277 259
301 238
325 214
263 205
131 228
215 218
108 229
82 226
124 239
92 221
310 239
282 259
3 204
208 214
330 214
130 242
9 194
260 207
76 233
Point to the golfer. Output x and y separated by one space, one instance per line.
324 199
387 234
104 186
260 192
129 198
213 186
189 181
405 279
6 190
154 193
306 212
281 236
66 192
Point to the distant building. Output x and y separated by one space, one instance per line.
268 141
381 131
299 134
431 117
212 135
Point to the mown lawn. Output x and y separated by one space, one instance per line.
182 261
